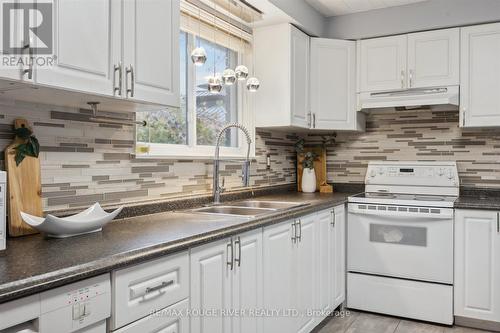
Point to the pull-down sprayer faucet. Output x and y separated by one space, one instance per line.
245 174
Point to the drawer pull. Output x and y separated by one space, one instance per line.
162 285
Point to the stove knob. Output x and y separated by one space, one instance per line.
381 171
441 172
450 174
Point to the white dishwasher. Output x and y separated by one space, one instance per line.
80 307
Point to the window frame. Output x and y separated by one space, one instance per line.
191 150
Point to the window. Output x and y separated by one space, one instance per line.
192 129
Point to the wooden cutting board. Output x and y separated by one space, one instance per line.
24 187
319 169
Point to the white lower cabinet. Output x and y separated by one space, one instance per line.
169 320
279 262
477 265
226 276
331 258
304 270
151 286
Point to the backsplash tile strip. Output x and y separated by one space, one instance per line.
83 162
420 135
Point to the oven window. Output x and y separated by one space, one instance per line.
401 235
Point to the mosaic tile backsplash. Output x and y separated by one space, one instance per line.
83 162
421 135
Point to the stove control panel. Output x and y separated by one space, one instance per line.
428 174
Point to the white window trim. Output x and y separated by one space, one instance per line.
193 151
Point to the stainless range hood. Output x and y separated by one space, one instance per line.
409 98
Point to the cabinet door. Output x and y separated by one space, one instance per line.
339 258
210 285
14 69
299 78
479 68
247 281
305 272
333 84
86 45
433 58
326 260
151 50
278 277
477 265
383 63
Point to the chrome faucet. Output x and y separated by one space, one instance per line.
245 174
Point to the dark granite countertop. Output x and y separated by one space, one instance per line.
33 263
478 198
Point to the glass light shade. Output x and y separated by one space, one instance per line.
199 56
214 84
253 84
228 77
241 72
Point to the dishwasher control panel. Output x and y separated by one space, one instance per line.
78 305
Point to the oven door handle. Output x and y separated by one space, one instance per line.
397 215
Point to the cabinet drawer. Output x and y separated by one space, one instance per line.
151 286
169 320
20 311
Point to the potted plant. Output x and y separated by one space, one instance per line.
308 183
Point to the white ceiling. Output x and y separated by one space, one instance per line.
342 7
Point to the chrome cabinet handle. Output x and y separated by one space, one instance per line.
238 259
498 222
131 90
411 78
294 231
230 260
463 116
402 78
309 119
117 68
29 71
314 120
160 286
333 218
299 237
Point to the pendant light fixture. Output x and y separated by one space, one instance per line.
199 55
241 71
229 76
214 82
253 83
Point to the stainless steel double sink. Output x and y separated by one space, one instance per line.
249 208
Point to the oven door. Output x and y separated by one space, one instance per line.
401 241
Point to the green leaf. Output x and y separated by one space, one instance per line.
36 146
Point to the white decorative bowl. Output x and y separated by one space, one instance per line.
90 220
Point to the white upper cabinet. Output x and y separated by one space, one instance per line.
151 56
85 53
479 70
110 48
282 65
477 265
299 78
22 72
433 58
418 60
333 85
383 63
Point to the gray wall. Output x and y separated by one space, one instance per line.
427 15
309 19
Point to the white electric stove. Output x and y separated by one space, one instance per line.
400 240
